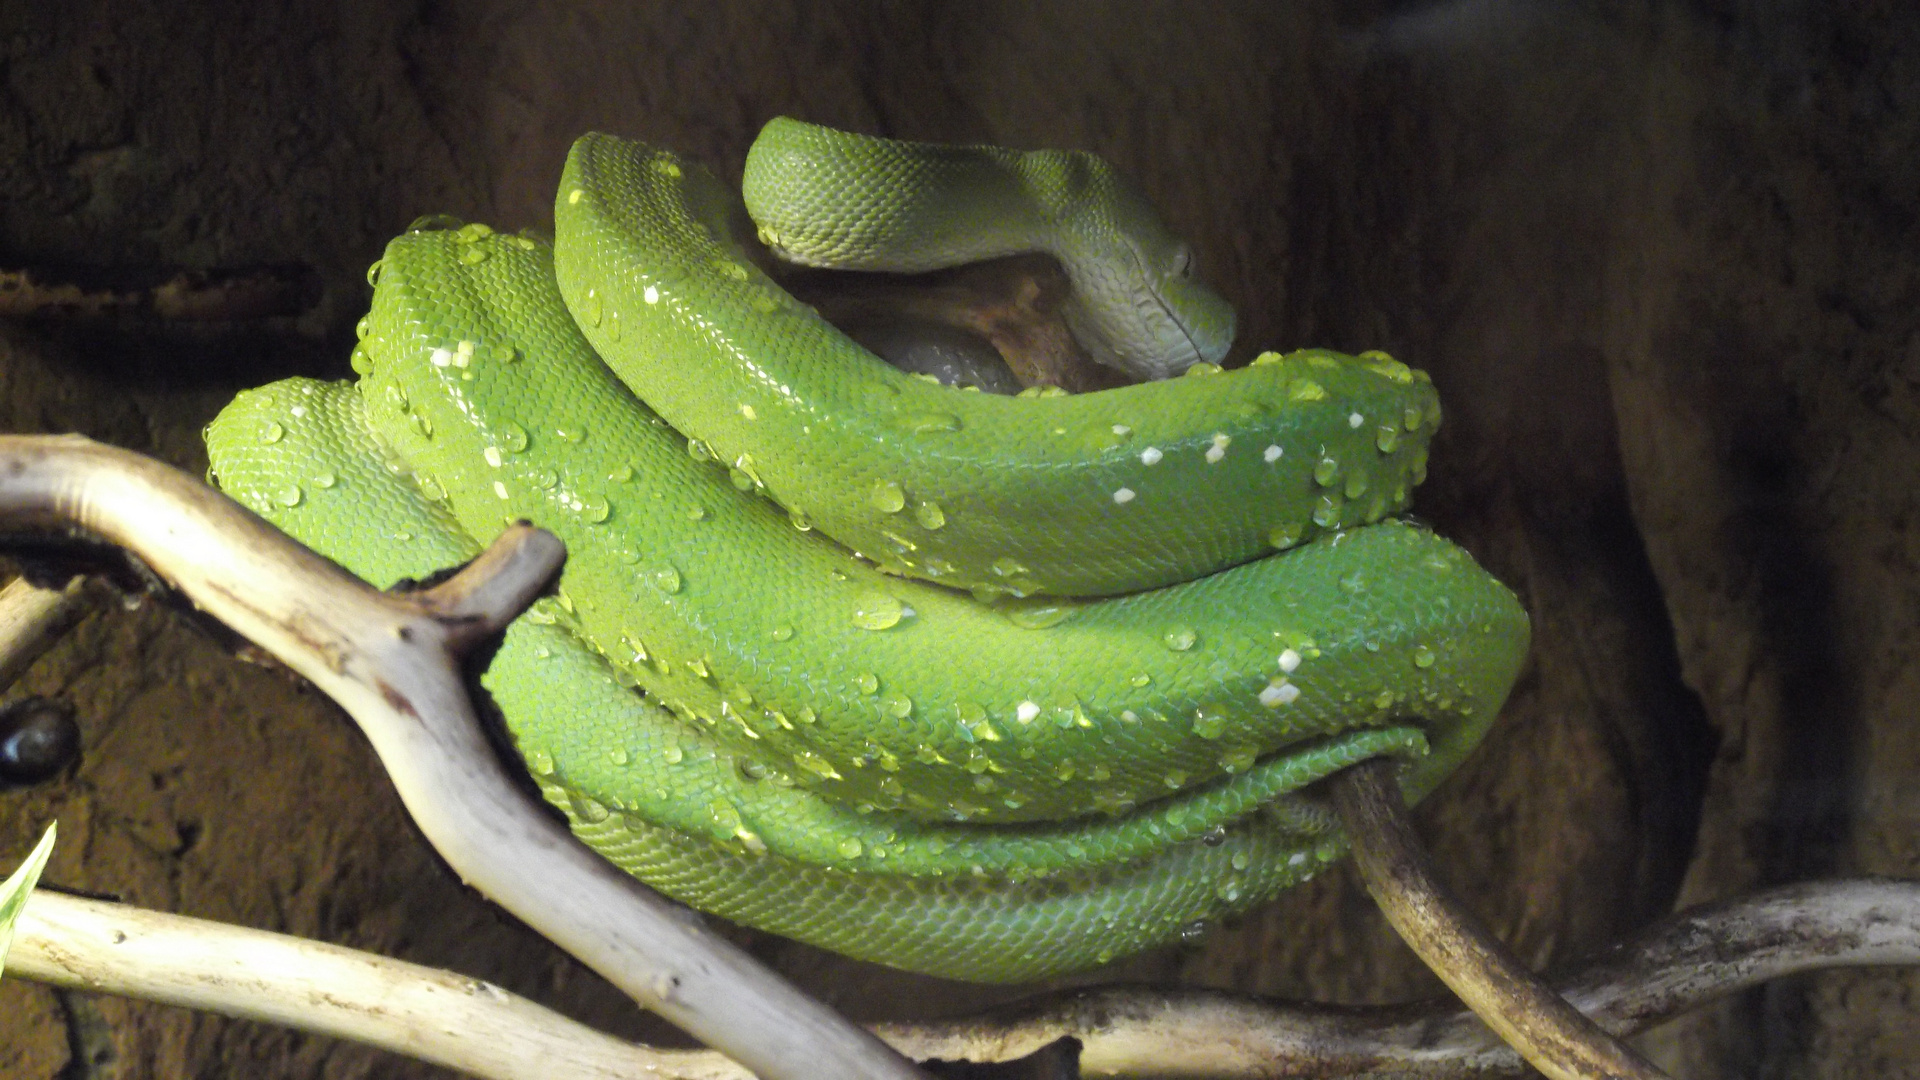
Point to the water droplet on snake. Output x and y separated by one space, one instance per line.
875 610
887 497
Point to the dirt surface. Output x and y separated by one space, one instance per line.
1659 258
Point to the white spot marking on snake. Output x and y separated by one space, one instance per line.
441 357
651 296
1354 420
1129 716
1150 456
1026 711
1289 661
1296 858
1123 496
1279 692
1219 448
492 454
574 196
1272 454
500 489
1122 429
298 410
747 411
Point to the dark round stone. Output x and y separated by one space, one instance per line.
38 739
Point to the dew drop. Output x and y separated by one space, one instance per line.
1140 681
272 432
667 579
876 610
592 308
513 437
927 423
1326 471
867 681
1284 536
673 754
1179 639
1422 656
1209 725
929 515
474 255
850 848
799 521
540 762
1386 438
289 496
325 479
887 497
595 510
783 632
1037 614
373 278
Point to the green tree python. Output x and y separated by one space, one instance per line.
989 686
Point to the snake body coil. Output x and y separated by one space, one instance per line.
1101 747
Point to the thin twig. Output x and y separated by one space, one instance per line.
1516 1003
432 1015
32 619
388 661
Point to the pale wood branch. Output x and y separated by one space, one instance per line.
388 660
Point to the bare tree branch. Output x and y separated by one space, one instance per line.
388 661
1551 1034
1680 964
32 619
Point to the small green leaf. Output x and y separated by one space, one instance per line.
13 891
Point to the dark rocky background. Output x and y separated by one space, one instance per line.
1659 257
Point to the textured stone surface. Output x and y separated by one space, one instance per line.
1658 258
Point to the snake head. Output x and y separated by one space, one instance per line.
1136 306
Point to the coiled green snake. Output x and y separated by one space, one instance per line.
992 687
